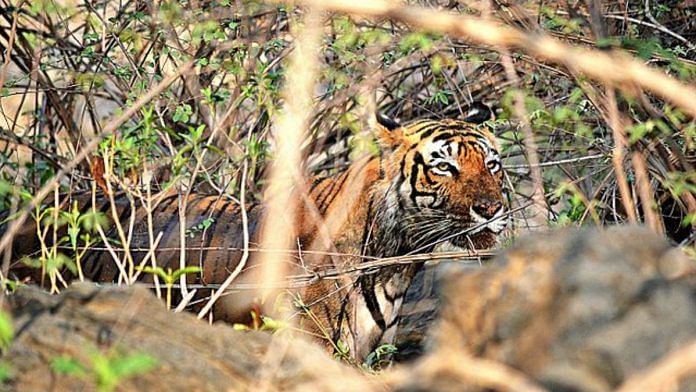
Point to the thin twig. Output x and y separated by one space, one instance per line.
245 255
530 147
558 162
330 273
88 149
615 68
646 192
10 44
665 30
618 156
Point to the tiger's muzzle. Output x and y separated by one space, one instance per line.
488 216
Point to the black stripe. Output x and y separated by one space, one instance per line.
335 189
324 193
343 313
418 162
168 200
333 197
105 207
160 209
429 130
171 229
446 135
367 228
90 265
125 213
206 237
429 180
207 208
418 126
371 301
402 178
219 213
315 182
96 271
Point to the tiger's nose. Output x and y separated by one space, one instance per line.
487 209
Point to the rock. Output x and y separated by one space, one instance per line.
421 307
569 310
190 354
575 311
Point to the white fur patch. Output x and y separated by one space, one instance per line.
441 151
496 224
447 246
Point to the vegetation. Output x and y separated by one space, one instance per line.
106 370
201 85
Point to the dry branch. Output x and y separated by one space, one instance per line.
278 227
613 69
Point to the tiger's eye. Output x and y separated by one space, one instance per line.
443 166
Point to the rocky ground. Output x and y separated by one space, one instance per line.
590 310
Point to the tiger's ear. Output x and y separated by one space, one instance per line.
478 113
386 121
387 130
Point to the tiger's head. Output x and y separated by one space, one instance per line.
445 181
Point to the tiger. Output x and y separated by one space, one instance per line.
436 185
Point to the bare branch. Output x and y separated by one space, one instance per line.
616 69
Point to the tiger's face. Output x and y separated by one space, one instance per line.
447 182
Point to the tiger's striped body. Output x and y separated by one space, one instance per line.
433 180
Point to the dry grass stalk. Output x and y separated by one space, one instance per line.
645 192
618 156
90 147
10 45
7 256
242 262
540 207
644 188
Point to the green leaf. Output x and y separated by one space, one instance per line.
68 366
182 113
5 372
106 377
270 324
184 271
92 218
159 271
132 364
33 262
216 150
638 131
416 41
6 330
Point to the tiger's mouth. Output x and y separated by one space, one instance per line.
480 233
494 224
